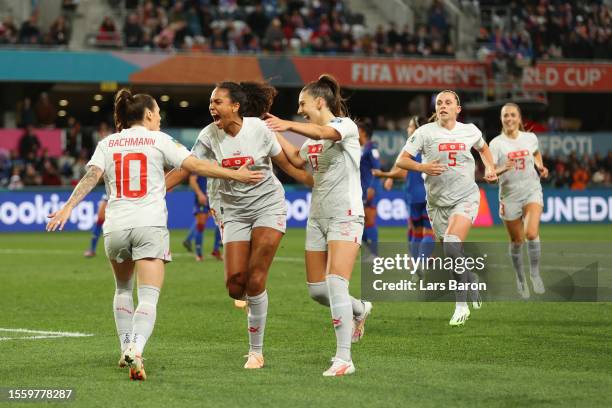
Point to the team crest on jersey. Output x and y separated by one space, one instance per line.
518 154
375 154
451 147
236 153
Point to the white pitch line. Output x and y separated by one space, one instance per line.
43 333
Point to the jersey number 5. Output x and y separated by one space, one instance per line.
452 158
122 174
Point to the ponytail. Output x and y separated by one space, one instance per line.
327 87
255 98
130 109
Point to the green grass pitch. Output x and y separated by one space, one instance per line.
510 354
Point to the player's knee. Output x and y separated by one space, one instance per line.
318 293
236 287
257 281
531 235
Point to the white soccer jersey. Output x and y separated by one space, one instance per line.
255 143
337 182
133 162
523 179
451 148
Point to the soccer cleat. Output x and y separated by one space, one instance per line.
217 255
359 323
240 304
523 289
199 258
187 245
538 285
339 368
254 360
461 315
89 254
122 363
135 362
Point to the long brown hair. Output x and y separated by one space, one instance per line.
328 88
255 98
130 109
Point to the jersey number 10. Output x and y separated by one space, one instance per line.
122 174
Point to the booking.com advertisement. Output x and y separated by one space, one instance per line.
28 210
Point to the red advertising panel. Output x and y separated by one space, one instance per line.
50 139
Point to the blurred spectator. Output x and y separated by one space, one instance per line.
30 176
58 32
108 35
50 176
29 33
24 113
273 39
8 31
101 132
70 5
74 137
15 182
132 31
28 143
580 178
258 20
45 111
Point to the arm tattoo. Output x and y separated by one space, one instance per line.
87 183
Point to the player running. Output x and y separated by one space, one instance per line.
370 185
453 197
335 222
253 217
520 194
135 230
201 210
420 234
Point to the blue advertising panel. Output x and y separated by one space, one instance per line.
28 210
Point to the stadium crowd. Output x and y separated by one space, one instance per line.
30 164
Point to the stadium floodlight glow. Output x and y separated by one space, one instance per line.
164 98
63 102
95 108
184 104
61 113
97 97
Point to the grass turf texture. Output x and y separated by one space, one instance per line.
508 355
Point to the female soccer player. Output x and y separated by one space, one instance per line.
520 193
253 217
335 222
453 197
420 233
135 231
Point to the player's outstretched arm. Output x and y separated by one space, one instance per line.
87 183
487 159
292 152
310 130
298 174
175 177
406 161
394 173
209 169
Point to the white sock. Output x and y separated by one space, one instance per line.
123 308
144 316
516 254
534 251
258 312
342 314
319 293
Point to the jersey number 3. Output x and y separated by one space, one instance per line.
122 174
